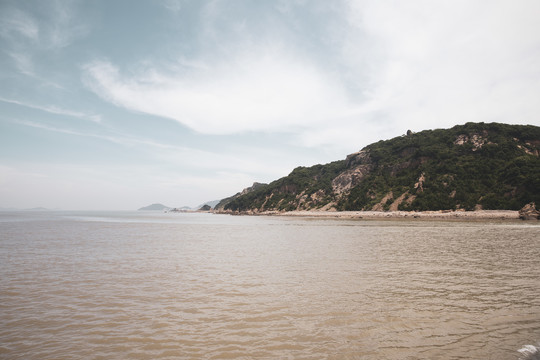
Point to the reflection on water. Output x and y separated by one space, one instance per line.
169 286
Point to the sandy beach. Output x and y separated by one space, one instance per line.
479 214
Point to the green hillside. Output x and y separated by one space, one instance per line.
489 166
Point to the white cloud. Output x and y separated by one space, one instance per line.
258 90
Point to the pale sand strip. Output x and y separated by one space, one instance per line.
479 214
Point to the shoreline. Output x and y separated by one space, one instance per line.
472 215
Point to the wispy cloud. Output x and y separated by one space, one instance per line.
14 22
38 125
172 5
55 110
30 33
65 25
23 62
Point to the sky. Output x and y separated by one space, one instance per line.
118 104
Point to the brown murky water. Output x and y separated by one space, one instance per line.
199 286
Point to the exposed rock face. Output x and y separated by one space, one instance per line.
384 200
359 165
405 197
358 158
350 178
529 148
461 139
420 184
529 212
477 140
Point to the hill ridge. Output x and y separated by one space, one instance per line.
489 166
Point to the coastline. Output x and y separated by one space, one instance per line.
472 215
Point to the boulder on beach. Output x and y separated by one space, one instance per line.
529 212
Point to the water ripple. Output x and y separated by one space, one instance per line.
81 286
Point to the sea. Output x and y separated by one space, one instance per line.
152 285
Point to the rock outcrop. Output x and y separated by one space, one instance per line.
529 212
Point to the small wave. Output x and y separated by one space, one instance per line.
530 352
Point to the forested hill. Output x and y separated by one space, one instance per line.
472 166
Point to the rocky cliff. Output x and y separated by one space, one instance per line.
471 166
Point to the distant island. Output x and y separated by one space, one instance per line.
155 207
476 166
160 207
